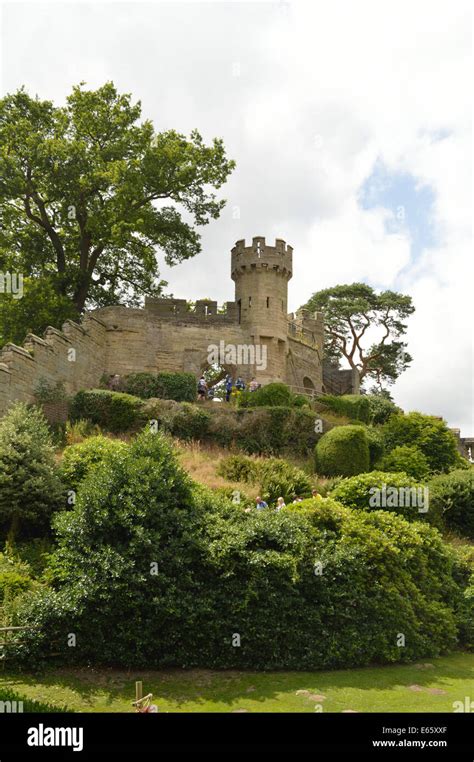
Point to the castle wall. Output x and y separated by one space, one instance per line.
303 366
73 356
140 341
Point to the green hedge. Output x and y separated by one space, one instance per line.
219 571
177 386
259 430
453 495
356 407
379 490
180 387
272 395
343 451
114 411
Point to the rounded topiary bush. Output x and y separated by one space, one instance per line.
79 459
453 495
406 458
380 490
342 451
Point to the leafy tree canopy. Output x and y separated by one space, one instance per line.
89 193
352 313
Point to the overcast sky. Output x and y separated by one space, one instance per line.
350 123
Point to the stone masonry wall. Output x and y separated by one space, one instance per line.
74 356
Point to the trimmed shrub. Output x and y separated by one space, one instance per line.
271 395
180 387
453 495
431 435
353 406
406 458
378 490
80 458
143 385
30 487
342 451
380 408
113 411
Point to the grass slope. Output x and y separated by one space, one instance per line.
428 687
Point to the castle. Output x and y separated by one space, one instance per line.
254 336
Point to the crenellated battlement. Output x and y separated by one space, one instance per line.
203 310
259 255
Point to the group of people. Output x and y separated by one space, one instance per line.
260 504
204 392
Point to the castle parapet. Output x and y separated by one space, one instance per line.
203 311
307 327
259 255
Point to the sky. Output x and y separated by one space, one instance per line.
350 123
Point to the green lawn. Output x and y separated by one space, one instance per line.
423 687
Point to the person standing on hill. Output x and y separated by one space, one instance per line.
229 383
202 388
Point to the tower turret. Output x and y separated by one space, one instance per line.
261 274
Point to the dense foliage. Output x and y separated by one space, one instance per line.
343 451
395 492
180 387
381 408
79 459
356 407
259 430
30 488
153 571
430 434
406 458
275 394
275 477
453 494
79 193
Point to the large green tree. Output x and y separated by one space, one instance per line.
90 194
366 329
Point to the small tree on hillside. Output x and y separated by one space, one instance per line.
30 488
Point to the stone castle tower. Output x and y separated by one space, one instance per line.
261 274
170 335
